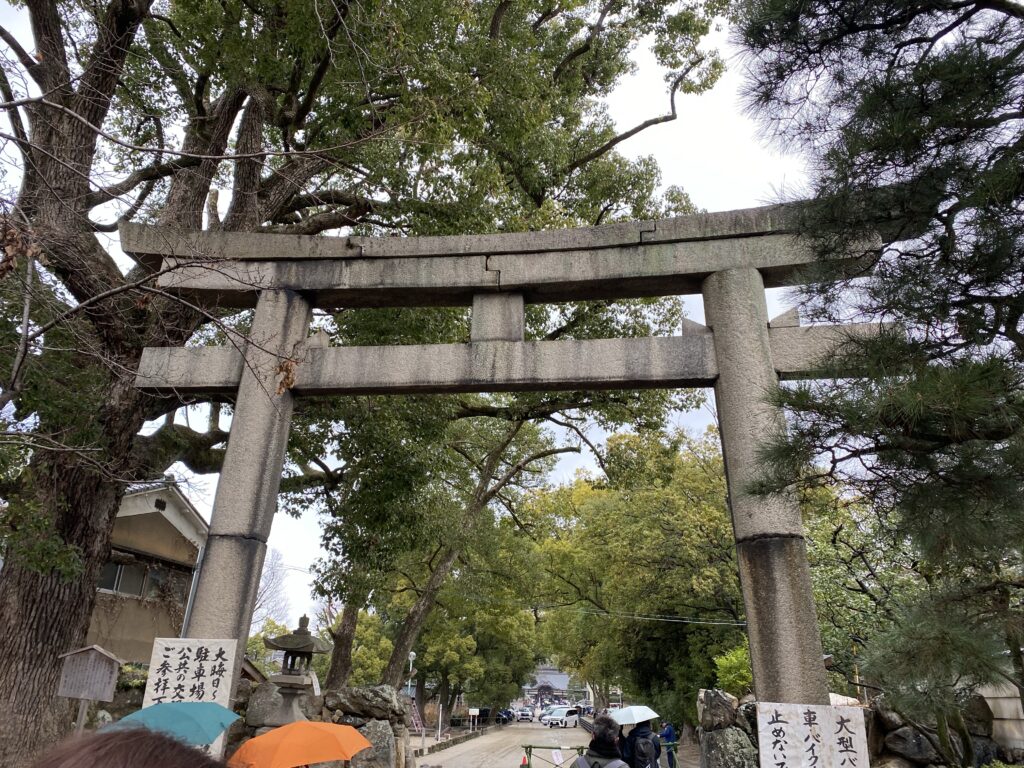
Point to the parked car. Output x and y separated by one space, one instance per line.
504 716
564 717
545 714
524 713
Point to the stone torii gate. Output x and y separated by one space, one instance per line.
729 258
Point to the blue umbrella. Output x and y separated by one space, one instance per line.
194 722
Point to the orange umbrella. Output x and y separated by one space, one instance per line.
301 743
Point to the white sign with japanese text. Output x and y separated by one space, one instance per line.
811 736
191 669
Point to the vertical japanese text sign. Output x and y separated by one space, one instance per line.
811 736
191 669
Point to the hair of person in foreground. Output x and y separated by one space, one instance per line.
124 748
605 729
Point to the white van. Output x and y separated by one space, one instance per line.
564 717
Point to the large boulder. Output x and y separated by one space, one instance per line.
892 761
715 709
910 743
727 748
341 718
875 732
374 702
889 718
985 750
382 753
746 720
978 716
242 695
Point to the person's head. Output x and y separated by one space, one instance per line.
125 748
605 729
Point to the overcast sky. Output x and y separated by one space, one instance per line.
712 150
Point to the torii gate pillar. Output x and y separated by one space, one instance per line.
251 475
785 647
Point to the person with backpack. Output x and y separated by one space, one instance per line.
642 748
603 751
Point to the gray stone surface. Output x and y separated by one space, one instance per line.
727 748
892 761
497 317
649 269
311 706
978 716
874 731
800 353
687 360
243 692
269 709
715 709
911 744
373 702
246 499
746 719
788 319
985 750
141 239
785 647
635 259
890 719
382 753
341 718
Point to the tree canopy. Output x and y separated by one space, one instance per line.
300 117
910 115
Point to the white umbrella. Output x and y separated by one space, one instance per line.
632 715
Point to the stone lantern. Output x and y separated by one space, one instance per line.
299 647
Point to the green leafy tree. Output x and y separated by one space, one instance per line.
910 116
301 117
642 571
733 672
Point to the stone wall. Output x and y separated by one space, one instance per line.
376 711
727 735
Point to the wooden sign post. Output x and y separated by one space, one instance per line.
89 674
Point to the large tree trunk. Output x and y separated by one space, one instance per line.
44 614
395 671
343 637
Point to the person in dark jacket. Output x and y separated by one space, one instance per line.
642 748
669 736
603 751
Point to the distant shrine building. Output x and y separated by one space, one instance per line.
549 682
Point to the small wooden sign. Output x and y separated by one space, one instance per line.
89 674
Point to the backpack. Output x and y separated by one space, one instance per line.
581 762
645 753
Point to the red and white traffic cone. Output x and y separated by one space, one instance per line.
525 763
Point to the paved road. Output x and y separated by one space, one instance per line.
503 748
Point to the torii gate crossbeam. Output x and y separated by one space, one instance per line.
727 257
